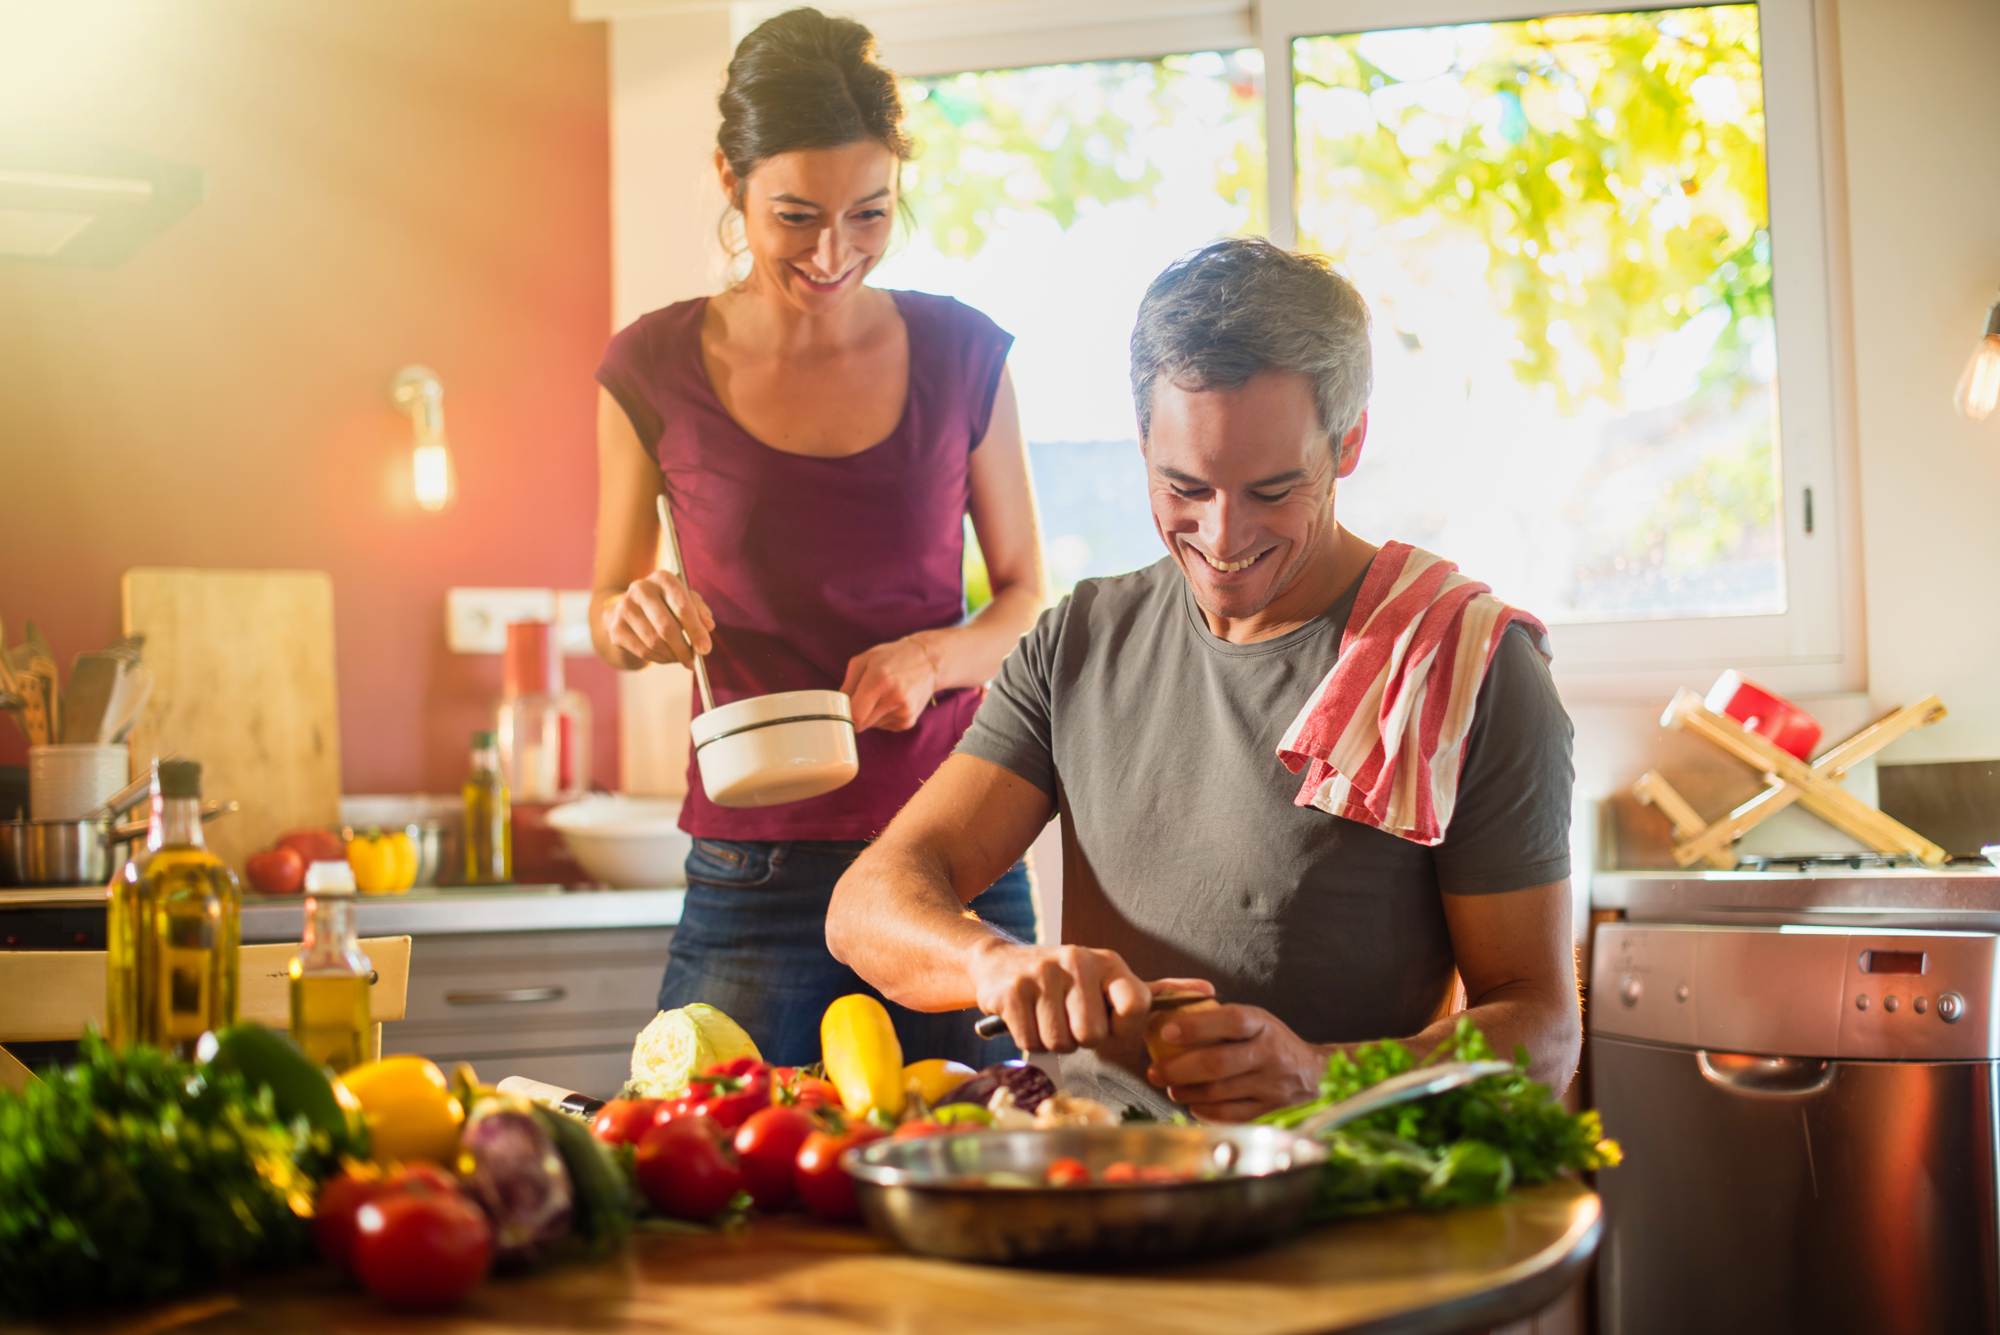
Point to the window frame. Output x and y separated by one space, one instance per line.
1817 645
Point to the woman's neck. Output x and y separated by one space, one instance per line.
753 314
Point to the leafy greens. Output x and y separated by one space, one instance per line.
132 1174
1467 1146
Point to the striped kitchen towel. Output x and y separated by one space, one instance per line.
1382 739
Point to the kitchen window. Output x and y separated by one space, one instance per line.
1598 247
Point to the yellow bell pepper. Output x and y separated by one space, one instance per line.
384 864
857 1042
410 1109
933 1079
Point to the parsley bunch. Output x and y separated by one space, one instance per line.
1466 1146
131 1175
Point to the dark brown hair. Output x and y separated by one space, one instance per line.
805 80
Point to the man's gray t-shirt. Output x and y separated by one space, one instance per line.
1183 851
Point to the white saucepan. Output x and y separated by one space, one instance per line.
769 749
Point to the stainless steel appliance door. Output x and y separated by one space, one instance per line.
1763 1194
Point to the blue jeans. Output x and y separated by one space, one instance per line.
752 944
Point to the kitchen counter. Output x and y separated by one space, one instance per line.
1397 1274
427 912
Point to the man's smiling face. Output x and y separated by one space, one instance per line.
1242 484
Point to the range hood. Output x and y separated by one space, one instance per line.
65 200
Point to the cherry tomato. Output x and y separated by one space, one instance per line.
824 1185
687 1169
1068 1173
768 1144
1119 1172
730 1091
790 1085
420 1247
1159 1172
623 1121
334 1224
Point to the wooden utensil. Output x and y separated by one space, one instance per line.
680 573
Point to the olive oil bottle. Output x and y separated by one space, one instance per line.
173 932
489 817
329 975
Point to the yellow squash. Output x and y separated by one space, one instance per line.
858 1044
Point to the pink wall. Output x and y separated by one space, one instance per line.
389 181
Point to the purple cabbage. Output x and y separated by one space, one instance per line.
1030 1085
511 1168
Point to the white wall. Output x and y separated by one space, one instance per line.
1924 218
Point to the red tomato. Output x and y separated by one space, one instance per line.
315 846
1068 1173
768 1144
281 871
1119 1172
1159 1172
687 1169
623 1121
824 1185
789 1085
421 1248
730 1091
341 1198
918 1130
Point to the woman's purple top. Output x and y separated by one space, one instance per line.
807 562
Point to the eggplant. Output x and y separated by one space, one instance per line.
512 1169
1028 1084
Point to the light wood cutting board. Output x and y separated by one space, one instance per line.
243 682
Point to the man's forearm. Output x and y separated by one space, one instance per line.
896 920
1549 1027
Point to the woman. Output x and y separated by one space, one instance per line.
821 442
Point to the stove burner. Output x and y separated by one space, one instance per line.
1803 862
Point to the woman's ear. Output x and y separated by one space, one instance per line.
725 173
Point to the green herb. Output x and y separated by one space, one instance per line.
1467 1146
132 1175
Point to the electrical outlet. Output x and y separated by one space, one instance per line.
475 620
573 622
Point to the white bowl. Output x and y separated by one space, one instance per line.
772 749
630 843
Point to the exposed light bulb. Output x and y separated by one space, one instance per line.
1979 388
431 471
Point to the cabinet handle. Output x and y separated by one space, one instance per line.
499 994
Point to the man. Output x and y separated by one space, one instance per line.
1147 709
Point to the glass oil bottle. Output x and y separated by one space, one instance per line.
173 932
489 816
329 975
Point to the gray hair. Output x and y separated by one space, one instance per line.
1241 306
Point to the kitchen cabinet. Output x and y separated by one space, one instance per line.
557 1006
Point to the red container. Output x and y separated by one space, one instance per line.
1771 717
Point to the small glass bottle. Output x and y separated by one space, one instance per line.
329 975
544 729
489 817
173 972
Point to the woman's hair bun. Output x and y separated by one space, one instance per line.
807 80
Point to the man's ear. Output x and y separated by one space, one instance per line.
1350 447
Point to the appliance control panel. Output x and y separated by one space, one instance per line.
1801 991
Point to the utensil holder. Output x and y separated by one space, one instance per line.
73 781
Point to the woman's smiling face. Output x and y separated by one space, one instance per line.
816 220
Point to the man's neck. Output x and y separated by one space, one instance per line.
1316 587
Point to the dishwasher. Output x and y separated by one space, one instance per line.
1808 1114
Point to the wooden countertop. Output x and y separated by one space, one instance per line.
1408 1273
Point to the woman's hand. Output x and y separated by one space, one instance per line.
892 684
655 619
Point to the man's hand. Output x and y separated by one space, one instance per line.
1244 1061
1059 998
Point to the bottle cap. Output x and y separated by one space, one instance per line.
179 778
329 878
484 740
533 663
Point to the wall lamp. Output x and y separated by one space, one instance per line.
417 392
1979 387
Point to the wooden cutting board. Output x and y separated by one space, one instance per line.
243 682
